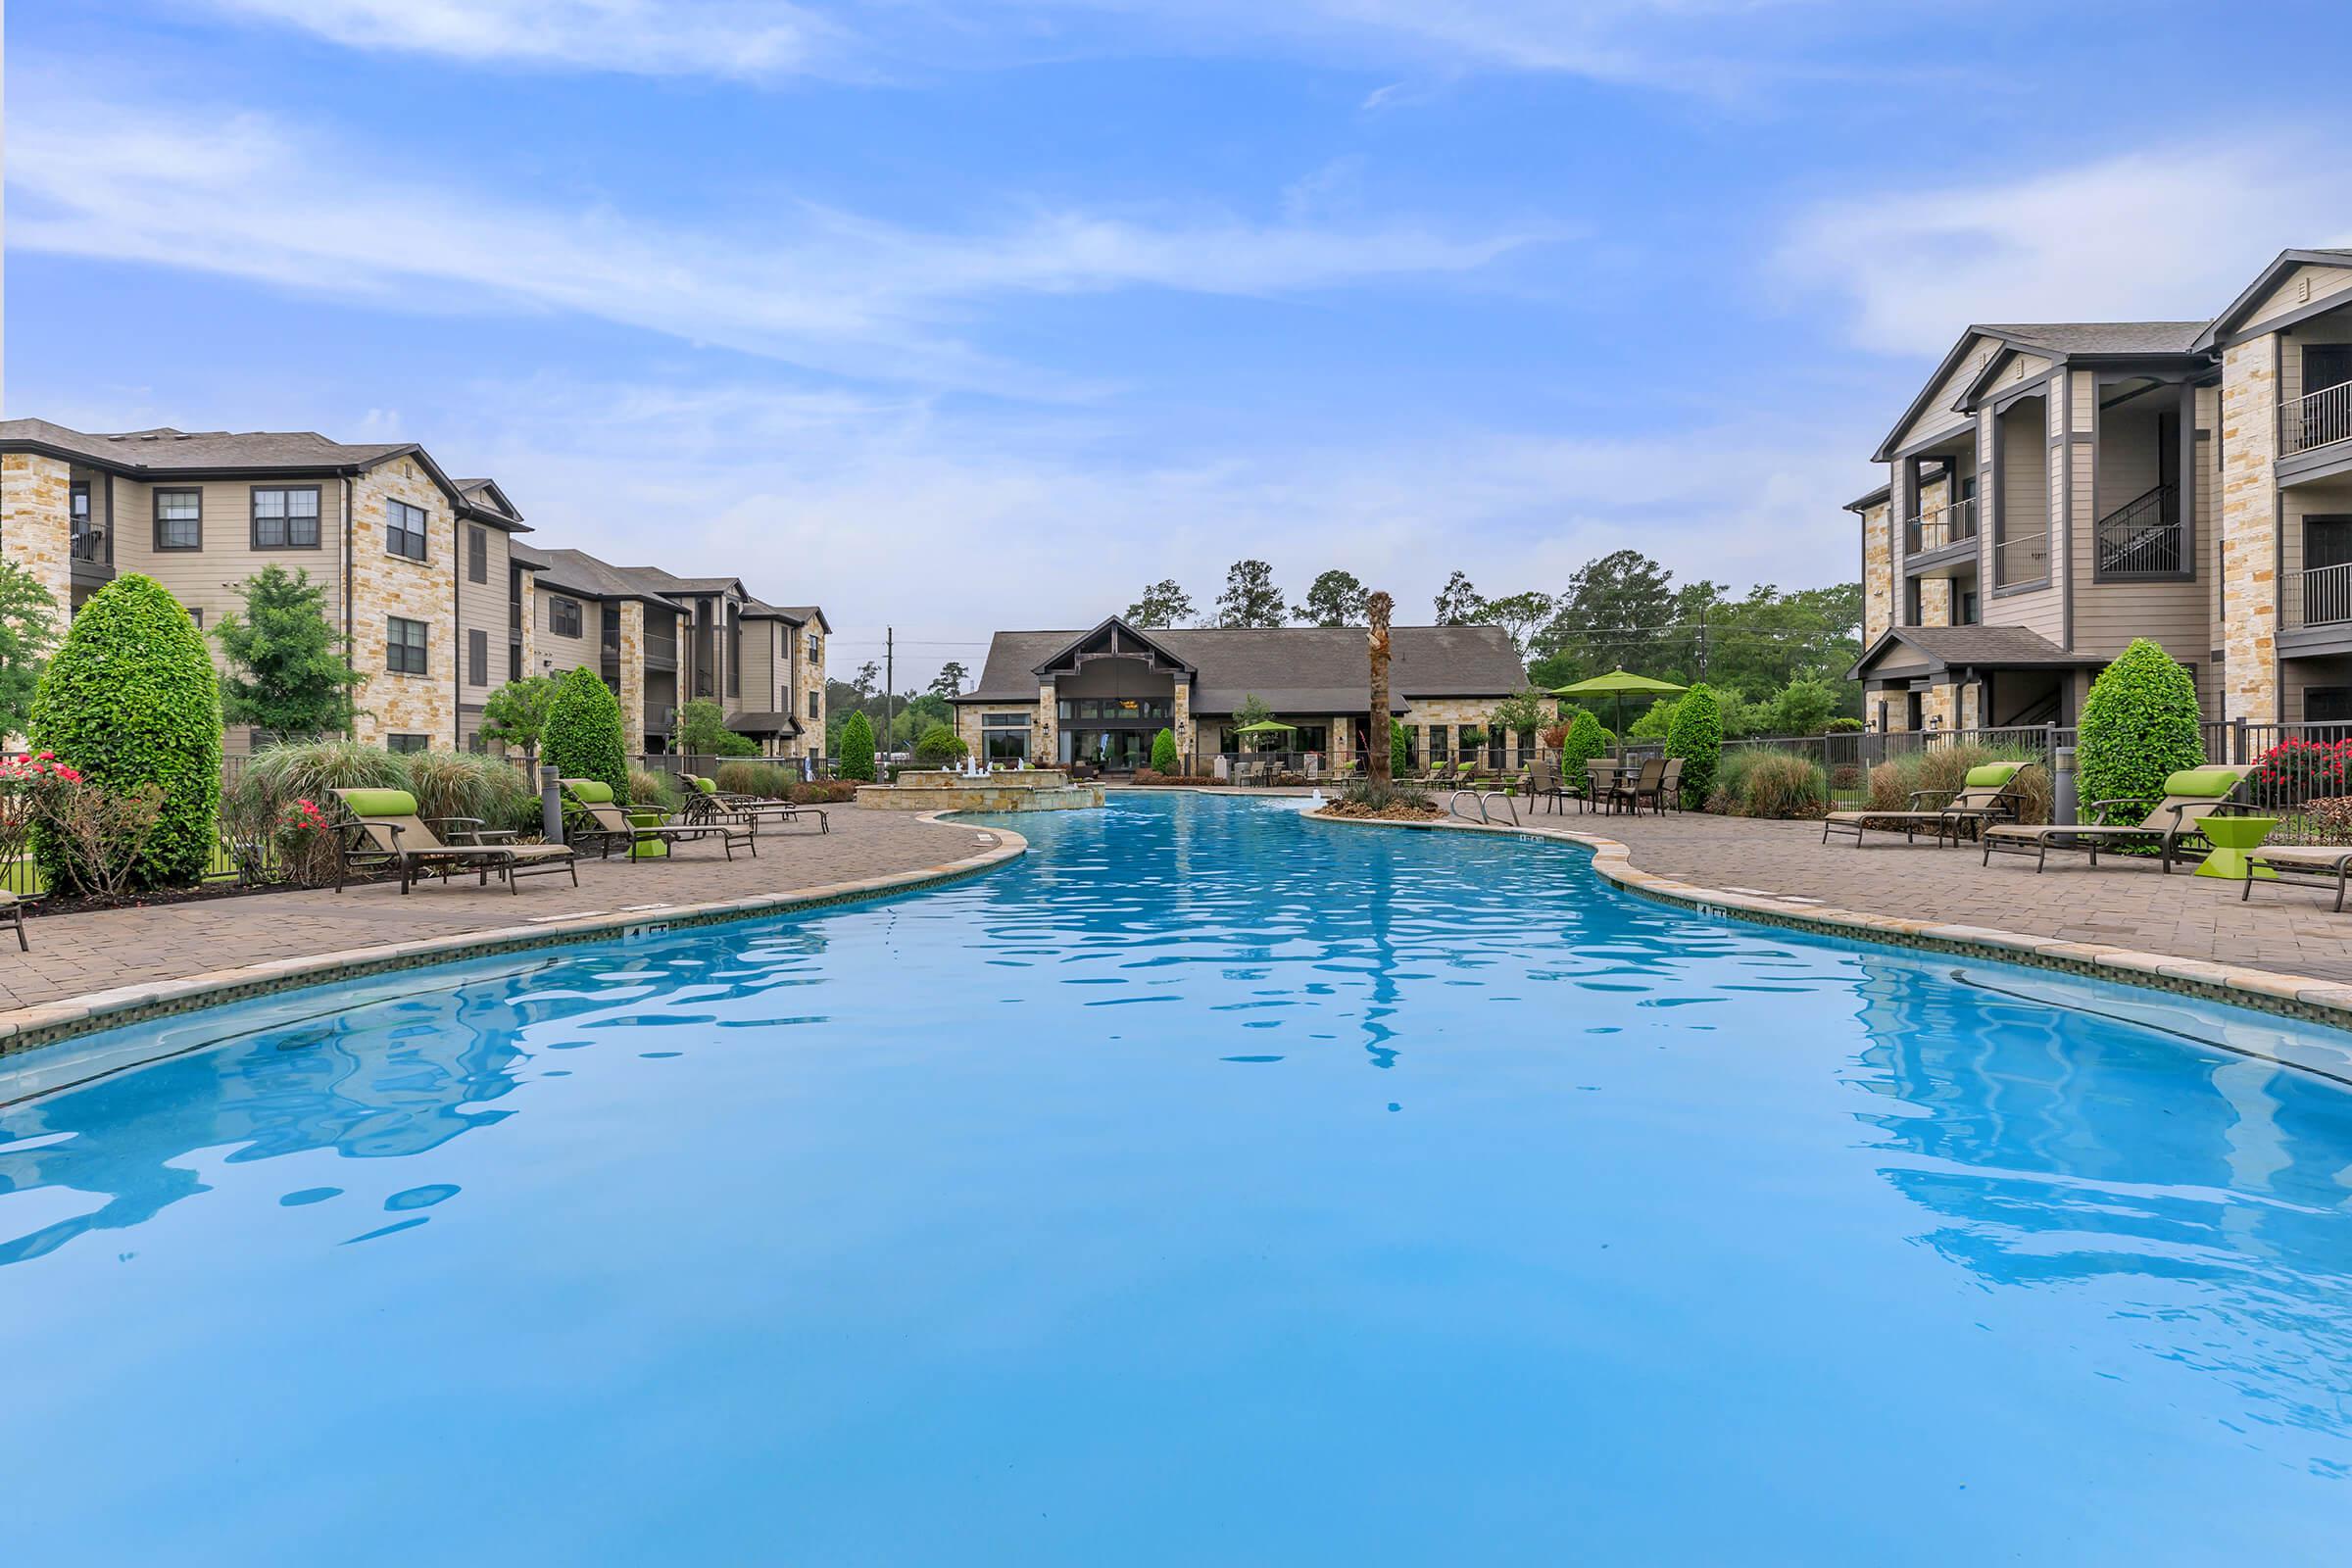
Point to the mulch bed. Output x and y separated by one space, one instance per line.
1398 813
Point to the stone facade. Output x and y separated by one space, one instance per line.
809 674
1181 713
632 674
527 587
36 520
1045 737
384 586
2251 531
1878 574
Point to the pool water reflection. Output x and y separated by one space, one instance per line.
1208 1186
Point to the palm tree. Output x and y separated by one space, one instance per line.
1378 608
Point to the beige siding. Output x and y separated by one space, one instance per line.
2297 290
2333 328
1937 414
208 579
482 607
586 651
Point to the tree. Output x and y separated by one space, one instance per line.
132 702
1521 615
1254 711
1803 706
1524 712
28 631
1335 599
516 716
583 732
1458 604
1251 597
1163 752
703 731
288 673
1163 605
1696 737
868 680
938 747
1377 609
2139 724
854 755
1618 611
1585 741
949 682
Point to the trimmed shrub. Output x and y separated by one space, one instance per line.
2139 724
583 732
1585 742
1842 725
856 760
132 702
1695 735
938 747
1163 752
1401 750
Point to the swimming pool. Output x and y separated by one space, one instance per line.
1208 1186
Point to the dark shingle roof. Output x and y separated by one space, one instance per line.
2100 337
169 449
577 571
763 723
804 614
1978 647
1303 670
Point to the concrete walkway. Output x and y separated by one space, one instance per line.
76 955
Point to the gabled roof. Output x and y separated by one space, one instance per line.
484 500
1116 632
166 453
2269 278
1973 648
2056 340
757 610
671 583
804 614
576 572
1873 498
1300 670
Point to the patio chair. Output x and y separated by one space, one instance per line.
1644 785
1601 785
12 910
1544 783
1986 794
705 801
2319 860
1670 788
384 829
589 808
2190 795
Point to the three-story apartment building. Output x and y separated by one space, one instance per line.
436 598
2058 489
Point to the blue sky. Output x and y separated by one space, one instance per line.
956 315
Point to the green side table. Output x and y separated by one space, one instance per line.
2231 837
647 848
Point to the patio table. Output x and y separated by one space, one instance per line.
2231 837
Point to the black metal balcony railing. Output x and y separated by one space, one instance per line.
1940 527
2326 599
2141 538
662 652
89 543
2022 558
2315 420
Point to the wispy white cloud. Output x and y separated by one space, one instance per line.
246 195
2167 234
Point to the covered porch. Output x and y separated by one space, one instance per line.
1969 677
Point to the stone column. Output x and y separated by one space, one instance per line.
36 522
1183 722
1048 726
2249 525
1877 575
530 623
632 676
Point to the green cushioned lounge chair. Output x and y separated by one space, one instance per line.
382 828
707 802
591 812
2189 795
1988 793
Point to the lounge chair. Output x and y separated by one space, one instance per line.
384 829
2319 860
590 810
1986 794
2190 795
704 800
12 910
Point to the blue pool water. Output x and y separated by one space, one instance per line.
1209 1186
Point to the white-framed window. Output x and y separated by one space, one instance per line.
403 646
404 529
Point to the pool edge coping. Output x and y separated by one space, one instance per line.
50 1022
2300 997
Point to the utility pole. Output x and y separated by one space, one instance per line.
890 682
1702 642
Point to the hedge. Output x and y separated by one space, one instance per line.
1695 735
583 732
1163 752
131 699
856 759
2139 724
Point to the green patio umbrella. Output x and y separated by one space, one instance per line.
1616 683
1267 726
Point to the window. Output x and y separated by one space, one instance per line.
564 617
813 704
406 743
403 646
196 617
734 654
179 519
404 529
477 658
1970 613
2328 705
477 554
475 744
816 652
513 660
83 544
285 518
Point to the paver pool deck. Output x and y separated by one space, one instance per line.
2196 924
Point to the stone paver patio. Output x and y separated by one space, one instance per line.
74 954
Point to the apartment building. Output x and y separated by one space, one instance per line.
2057 489
436 596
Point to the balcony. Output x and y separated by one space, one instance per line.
1941 528
661 653
2327 597
2143 537
2315 419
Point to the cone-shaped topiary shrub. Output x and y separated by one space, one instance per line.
856 759
938 747
1585 741
583 732
1163 752
132 702
2139 724
1695 735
